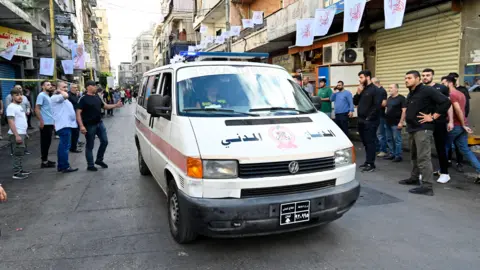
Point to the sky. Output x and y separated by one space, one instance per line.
126 20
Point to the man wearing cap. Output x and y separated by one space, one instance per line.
89 118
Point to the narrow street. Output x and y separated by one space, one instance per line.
117 219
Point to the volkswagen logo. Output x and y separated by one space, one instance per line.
293 167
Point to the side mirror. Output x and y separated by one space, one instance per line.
159 105
317 102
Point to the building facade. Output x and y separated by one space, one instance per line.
103 38
125 74
142 55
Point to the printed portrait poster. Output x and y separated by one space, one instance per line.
78 56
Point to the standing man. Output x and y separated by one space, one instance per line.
64 116
369 103
89 118
73 98
44 114
440 133
381 142
1 111
459 133
394 119
28 95
325 93
307 86
17 120
122 96
343 106
424 106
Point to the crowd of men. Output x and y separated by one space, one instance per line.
65 113
432 112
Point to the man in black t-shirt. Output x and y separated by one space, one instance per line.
89 118
440 133
381 141
73 98
394 118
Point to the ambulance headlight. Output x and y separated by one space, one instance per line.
219 169
344 157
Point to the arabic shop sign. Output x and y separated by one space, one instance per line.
63 24
10 37
286 61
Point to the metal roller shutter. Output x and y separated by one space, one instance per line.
431 42
7 72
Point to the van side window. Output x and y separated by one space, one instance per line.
149 90
156 90
166 84
141 94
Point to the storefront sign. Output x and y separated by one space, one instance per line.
339 4
284 21
10 37
286 61
62 19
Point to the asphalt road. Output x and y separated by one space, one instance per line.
117 219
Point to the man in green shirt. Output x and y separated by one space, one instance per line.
325 93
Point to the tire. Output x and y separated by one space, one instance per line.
178 221
142 166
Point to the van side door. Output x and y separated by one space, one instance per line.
143 118
161 134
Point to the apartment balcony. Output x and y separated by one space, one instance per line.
43 49
216 12
14 17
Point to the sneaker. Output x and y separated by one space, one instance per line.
397 159
381 154
1 138
27 153
92 169
409 182
444 178
459 167
437 173
19 176
389 157
69 170
363 165
101 164
477 181
369 168
81 144
422 190
57 137
420 177
76 151
47 165
26 172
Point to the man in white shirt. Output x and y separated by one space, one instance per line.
64 120
26 108
17 120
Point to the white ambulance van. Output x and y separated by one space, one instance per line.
240 150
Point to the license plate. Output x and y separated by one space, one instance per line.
295 212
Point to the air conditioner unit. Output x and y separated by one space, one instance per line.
29 64
353 55
332 53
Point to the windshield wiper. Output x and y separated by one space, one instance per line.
276 109
218 110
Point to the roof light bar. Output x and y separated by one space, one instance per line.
199 56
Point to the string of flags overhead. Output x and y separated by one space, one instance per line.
308 28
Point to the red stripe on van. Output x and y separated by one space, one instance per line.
174 156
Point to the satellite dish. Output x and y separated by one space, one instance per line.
350 55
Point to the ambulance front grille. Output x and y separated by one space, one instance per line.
270 169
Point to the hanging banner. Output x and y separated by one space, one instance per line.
257 17
9 52
305 31
10 37
191 48
67 66
247 23
235 30
203 29
226 34
353 15
64 40
323 20
209 39
219 40
78 56
394 11
87 57
46 66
